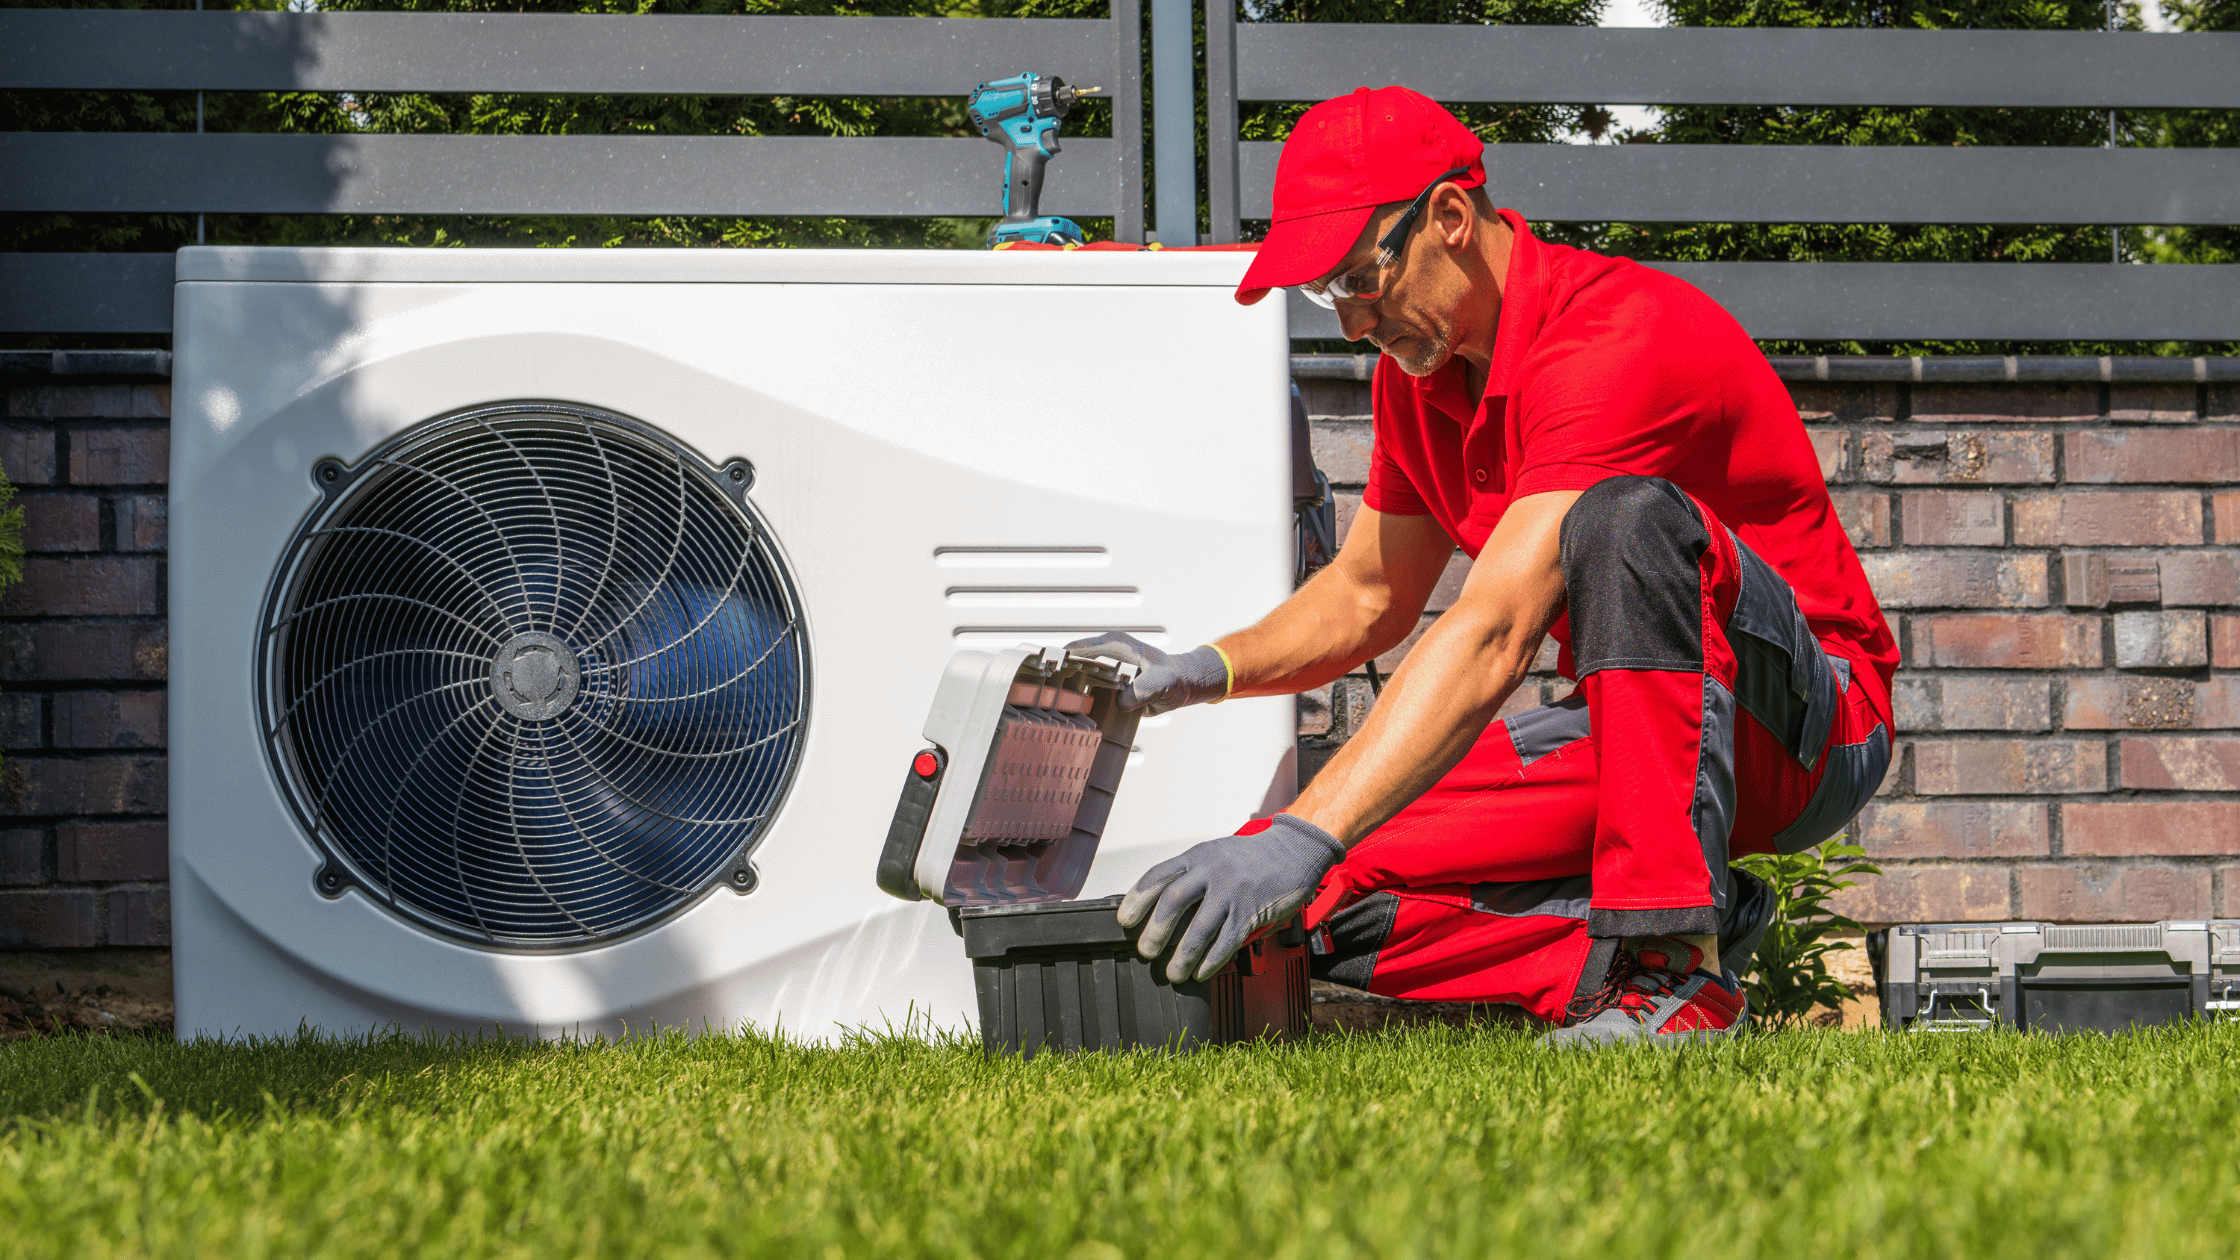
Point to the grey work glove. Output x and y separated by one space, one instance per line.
1162 682
1239 884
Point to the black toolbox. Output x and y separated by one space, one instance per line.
999 819
2053 977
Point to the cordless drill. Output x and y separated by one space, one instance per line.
1022 114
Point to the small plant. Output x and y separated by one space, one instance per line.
1791 980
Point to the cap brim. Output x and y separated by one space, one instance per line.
1302 249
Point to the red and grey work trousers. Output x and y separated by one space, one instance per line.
1708 720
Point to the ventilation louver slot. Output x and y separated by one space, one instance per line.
534 676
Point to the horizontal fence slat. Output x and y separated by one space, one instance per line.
1948 301
544 53
1681 183
85 293
103 172
131 293
1286 61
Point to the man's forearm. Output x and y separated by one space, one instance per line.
1330 625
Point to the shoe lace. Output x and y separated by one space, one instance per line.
1632 987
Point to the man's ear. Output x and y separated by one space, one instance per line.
1455 218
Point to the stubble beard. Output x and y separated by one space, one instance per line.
1422 353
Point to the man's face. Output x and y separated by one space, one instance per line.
1414 318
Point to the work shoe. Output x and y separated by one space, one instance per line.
1749 913
1658 993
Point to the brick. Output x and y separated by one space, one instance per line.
2223 404
2151 404
2092 580
2151 704
78 653
1864 516
2229 877
1523 698
2200 579
86 853
1335 400
2006 641
1824 403
1929 893
23 855
120 457
47 918
1961 406
50 786
1348 505
2181 764
1313 711
1931 703
2227 507
1341 450
22 719
1450 582
143 522
1986 767
109 719
1962 458
1953 519
2224 642
2107 518
1915 704
1927 579
2095 892
89 586
139 916
1952 829
90 402
27 455
61 522
2150 828
2161 640
2183 455
1833 448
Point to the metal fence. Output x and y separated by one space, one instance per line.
90 172
1655 183
1245 62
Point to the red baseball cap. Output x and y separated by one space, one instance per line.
1347 156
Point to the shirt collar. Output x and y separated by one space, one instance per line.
1524 307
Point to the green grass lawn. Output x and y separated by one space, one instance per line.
1431 1141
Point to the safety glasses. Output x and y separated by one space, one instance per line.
1367 282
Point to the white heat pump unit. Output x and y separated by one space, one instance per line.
552 629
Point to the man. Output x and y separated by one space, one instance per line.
1627 475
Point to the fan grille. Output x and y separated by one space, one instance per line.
534 676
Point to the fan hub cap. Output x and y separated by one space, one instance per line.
535 676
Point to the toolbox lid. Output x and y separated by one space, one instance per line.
1006 803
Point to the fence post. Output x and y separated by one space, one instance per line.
1174 120
1127 116
1221 122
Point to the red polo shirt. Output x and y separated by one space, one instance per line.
1604 368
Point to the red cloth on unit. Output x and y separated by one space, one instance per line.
1603 367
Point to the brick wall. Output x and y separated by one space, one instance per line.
2056 557
82 644
2058 561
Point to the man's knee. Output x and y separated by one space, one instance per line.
1630 552
1620 522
